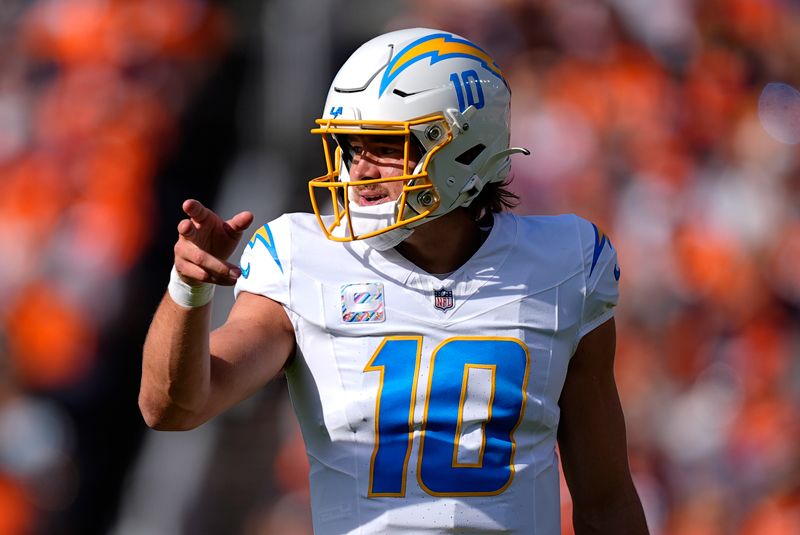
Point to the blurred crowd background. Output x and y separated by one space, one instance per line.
642 116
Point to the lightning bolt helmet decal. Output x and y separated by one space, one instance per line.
438 47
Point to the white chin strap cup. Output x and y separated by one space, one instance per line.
367 219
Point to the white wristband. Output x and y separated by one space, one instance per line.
187 295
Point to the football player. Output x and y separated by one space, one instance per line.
436 346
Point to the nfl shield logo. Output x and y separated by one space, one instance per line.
443 299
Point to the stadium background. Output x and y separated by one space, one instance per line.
642 116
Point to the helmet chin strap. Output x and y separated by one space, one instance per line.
366 219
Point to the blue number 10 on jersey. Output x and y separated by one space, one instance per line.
504 361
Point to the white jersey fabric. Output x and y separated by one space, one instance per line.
430 405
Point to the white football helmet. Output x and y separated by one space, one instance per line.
444 94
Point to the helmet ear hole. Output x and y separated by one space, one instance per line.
469 155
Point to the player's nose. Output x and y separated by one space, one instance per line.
364 167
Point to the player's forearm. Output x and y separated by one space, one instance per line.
622 517
176 367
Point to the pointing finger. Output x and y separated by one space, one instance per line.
195 209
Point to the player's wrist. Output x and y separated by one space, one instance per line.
189 295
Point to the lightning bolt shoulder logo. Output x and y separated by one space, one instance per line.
600 240
437 47
263 236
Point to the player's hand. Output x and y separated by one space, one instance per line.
205 241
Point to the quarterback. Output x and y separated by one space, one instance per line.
437 347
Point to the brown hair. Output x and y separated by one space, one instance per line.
494 197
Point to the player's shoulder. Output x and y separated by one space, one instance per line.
562 226
596 245
290 221
274 238
566 235
552 232
559 225
287 227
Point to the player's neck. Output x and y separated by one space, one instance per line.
444 244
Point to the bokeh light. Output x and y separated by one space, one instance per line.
779 112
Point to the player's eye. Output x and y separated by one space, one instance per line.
389 151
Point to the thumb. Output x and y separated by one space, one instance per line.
238 223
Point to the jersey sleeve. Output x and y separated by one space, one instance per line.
265 262
601 272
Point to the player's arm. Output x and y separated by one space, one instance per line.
591 436
190 375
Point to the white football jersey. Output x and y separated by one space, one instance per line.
430 404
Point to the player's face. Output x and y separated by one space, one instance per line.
378 157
